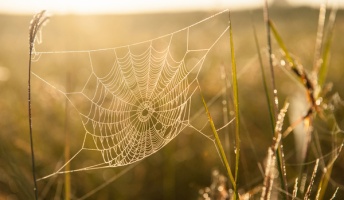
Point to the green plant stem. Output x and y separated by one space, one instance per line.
267 96
220 148
271 110
30 124
236 100
38 20
319 38
327 47
325 178
272 71
67 178
279 157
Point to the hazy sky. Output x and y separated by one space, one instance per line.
124 6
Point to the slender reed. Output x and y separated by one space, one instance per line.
221 151
236 100
67 178
274 108
319 39
265 84
273 82
36 23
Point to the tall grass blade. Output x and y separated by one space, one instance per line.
272 71
281 44
272 155
311 182
279 154
327 46
221 150
225 105
319 38
236 100
67 178
269 176
36 23
266 91
296 69
327 174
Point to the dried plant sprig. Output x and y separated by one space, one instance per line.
309 188
295 188
334 194
275 103
36 23
269 175
272 154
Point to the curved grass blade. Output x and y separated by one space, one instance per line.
319 38
327 46
281 44
221 150
279 153
267 96
327 174
235 99
272 71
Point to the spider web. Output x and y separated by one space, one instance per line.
142 98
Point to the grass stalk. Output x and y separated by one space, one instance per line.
67 178
321 71
221 150
281 44
319 38
35 25
272 71
266 90
236 100
327 173
320 68
311 182
274 108
281 165
326 51
225 106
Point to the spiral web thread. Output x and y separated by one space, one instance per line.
141 103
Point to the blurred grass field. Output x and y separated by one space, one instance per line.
184 166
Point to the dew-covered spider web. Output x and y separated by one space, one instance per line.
134 99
